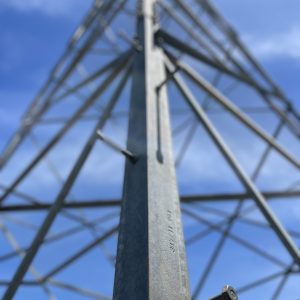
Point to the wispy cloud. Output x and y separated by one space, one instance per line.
49 7
283 44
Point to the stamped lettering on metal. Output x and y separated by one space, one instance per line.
171 232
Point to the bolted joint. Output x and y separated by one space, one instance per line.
228 293
158 37
116 147
137 44
159 40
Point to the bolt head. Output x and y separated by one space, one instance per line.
230 292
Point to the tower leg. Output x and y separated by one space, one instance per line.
151 261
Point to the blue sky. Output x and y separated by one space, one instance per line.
33 36
35 33
271 29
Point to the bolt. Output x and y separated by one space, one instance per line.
160 41
230 292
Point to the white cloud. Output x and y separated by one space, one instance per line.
50 7
284 44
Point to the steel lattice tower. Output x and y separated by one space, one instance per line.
163 100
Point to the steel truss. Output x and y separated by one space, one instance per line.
182 67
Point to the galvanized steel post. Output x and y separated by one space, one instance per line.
151 261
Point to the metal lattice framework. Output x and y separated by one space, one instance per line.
166 76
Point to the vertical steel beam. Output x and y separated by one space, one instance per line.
151 261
